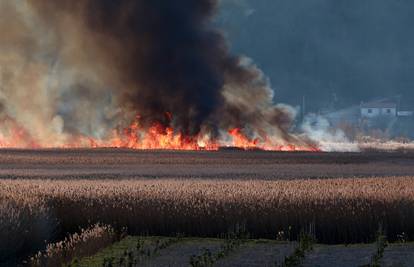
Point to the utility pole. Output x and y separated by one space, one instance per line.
303 107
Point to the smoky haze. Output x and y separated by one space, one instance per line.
356 50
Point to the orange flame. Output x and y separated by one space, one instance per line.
240 140
157 136
16 136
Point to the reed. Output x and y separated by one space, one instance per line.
342 210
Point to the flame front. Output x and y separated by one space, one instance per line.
155 137
240 140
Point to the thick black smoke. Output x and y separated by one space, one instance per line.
75 72
165 53
172 59
168 57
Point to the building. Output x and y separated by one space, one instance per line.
389 115
377 109
405 113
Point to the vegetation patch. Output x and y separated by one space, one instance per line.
306 242
344 210
232 240
128 252
381 243
86 243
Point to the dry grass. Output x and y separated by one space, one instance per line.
25 222
343 210
46 195
126 164
86 243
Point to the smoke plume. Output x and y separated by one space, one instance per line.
88 67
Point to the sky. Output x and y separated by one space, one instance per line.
333 52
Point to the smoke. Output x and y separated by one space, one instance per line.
236 6
84 68
328 138
36 72
332 139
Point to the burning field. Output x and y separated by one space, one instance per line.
131 74
139 75
133 117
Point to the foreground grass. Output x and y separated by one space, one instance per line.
218 249
342 210
115 251
143 248
86 243
251 253
48 195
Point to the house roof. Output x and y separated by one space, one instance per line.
379 105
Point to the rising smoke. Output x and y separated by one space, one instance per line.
87 67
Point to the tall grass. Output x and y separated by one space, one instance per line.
86 243
25 223
343 210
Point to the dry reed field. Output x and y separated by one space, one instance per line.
223 165
47 195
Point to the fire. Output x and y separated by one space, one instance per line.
16 135
157 136
165 137
240 140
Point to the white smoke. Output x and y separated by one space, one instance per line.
328 139
39 76
243 5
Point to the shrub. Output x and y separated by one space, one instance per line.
25 224
86 243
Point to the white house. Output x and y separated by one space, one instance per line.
405 113
377 109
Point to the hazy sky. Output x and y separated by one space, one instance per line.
356 49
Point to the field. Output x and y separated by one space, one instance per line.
258 253
343 198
